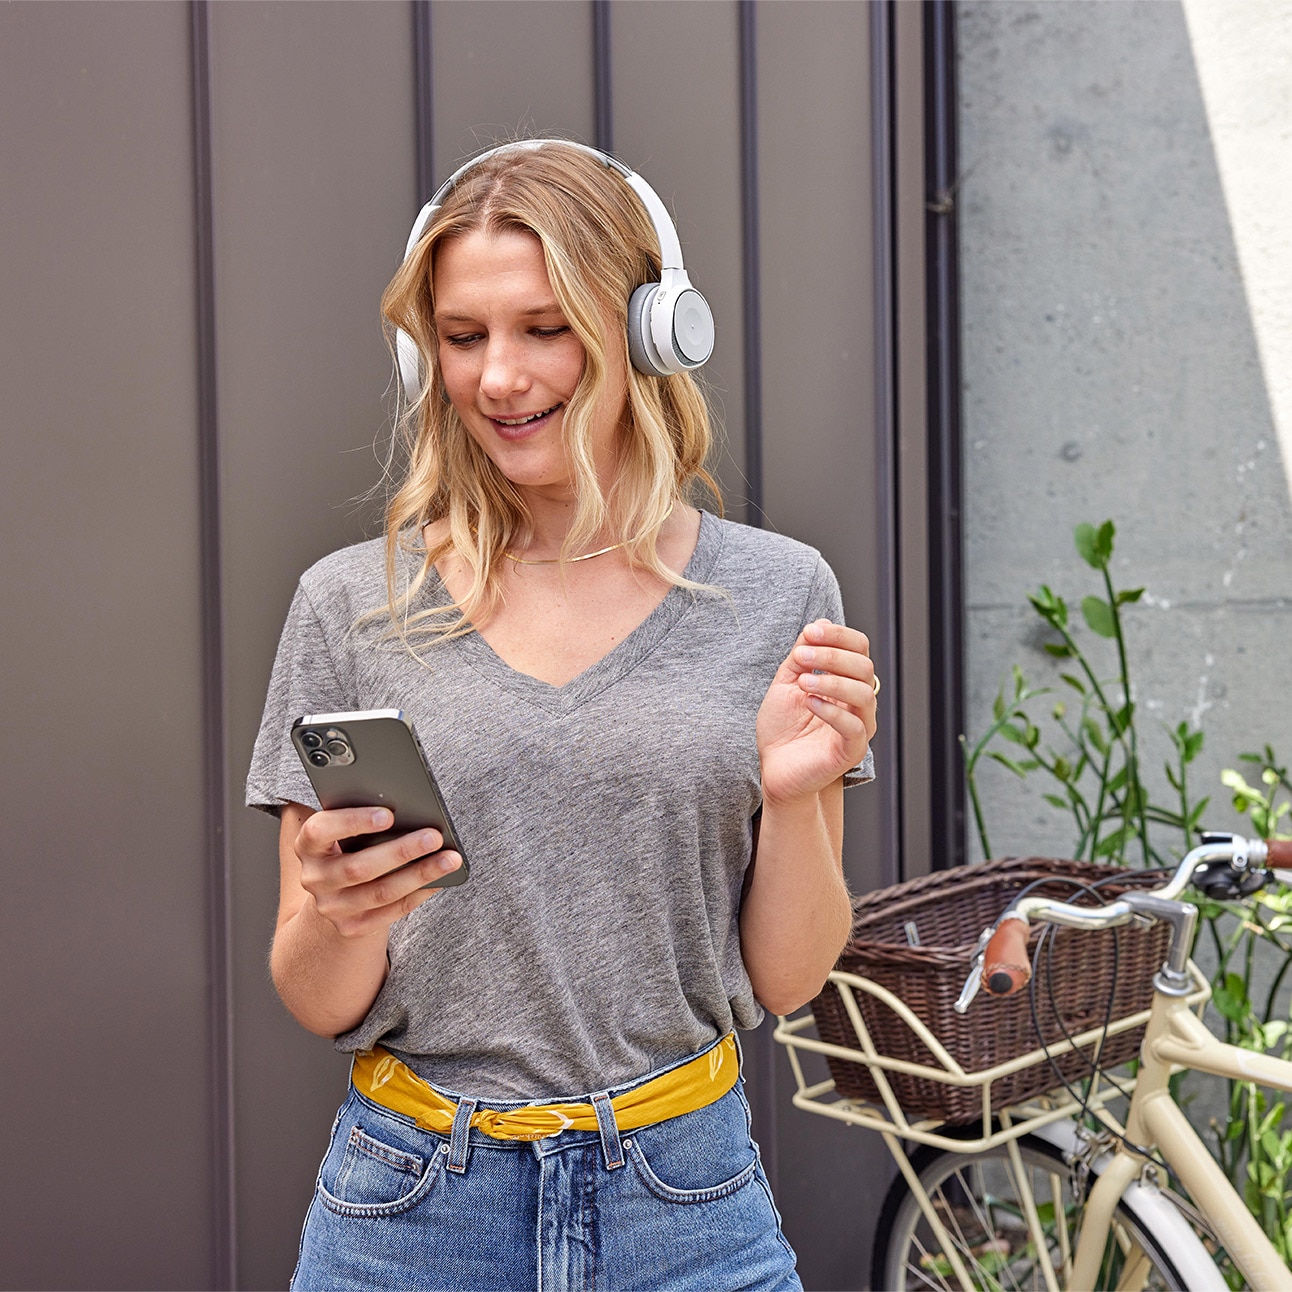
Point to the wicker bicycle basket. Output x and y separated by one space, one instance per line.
1076 978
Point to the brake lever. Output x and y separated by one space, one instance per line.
974 981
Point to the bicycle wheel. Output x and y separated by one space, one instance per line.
979 1199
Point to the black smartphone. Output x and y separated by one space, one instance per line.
373 759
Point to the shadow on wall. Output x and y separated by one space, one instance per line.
1112 370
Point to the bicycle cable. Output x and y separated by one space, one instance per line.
1047 942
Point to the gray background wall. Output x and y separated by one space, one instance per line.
199 209
1111 371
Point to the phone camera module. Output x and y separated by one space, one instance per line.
311 739
337 745
319 757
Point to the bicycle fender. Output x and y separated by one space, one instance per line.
1154 1211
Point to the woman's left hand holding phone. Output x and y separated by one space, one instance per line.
335 909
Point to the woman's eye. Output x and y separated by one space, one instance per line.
463 339
546 332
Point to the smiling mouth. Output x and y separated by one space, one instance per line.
525 421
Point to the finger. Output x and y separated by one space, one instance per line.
852 692
323 830
833 659
408 881
822 632
335 871
850 725
356 912
375 879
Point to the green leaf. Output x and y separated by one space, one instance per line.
1122 719
1014 767
1228 1005
1111 844
1055 801
1098 614
1015 735
1074 682
1105 541
1128 596
1060 650
1094 735
1050 606
998 706
1086 538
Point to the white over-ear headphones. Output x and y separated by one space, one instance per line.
670 325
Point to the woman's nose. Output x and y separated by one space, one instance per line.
503 371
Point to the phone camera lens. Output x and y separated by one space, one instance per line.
319 758
311 739
338 748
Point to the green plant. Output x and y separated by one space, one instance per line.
1090 754
1253 1145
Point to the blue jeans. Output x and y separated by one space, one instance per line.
680 1206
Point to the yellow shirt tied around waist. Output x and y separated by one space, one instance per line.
701 1081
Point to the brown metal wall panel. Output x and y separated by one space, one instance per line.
313 160
910 671
508 68
103 945
824 481
824 484
675 81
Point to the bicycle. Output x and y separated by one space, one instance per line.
1051 1190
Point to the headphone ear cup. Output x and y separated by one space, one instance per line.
641 345
410 365
683 331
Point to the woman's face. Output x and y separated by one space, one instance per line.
511 362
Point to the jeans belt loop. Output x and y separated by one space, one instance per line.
460 1136
609 1128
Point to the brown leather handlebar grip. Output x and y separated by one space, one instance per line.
1279 852
1005 967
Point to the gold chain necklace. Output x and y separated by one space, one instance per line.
556 560
587 556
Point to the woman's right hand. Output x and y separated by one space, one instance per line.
364 892
335 909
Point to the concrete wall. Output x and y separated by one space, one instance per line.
1122 360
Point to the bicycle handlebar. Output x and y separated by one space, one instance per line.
1001 964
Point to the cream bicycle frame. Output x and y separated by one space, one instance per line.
1175 1038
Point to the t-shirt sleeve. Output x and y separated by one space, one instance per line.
305 679
826 602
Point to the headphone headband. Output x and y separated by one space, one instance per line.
670 325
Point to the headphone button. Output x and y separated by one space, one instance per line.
692 327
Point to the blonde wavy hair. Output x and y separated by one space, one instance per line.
598 245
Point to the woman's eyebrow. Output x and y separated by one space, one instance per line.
533 311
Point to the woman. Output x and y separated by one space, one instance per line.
641 717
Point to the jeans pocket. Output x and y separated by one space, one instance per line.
373 1178
705 1161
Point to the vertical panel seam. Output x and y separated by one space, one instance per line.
219 955
423 120
602 90
763 1094
944 486
750 262
883 197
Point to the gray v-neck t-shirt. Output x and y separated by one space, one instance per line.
608 821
